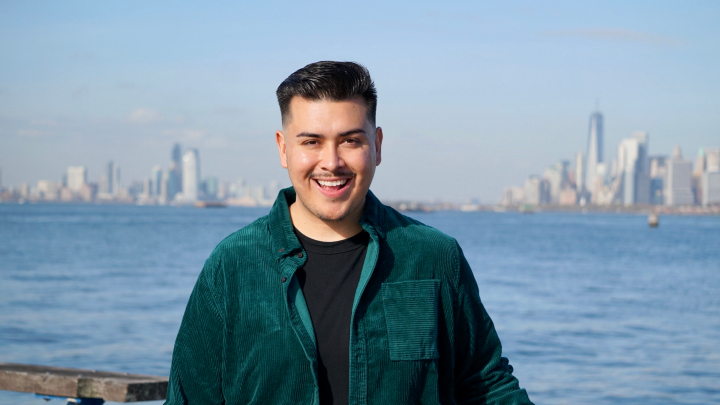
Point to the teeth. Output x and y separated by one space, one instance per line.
333 183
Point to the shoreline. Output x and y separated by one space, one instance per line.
409 207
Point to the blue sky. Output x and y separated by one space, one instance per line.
473 96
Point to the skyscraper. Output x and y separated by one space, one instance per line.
110 178
156 179
190 174
580 173
710 187
556 177
658 179
594 149
176 171
76 177
678 190
642 169
628 152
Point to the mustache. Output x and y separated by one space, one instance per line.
327 175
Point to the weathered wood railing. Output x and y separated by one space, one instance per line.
81 386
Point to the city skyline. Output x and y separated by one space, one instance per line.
472 96
180 184
633 177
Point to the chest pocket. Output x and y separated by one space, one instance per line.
411 314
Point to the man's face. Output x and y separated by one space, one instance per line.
330 150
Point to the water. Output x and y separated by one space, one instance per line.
591 309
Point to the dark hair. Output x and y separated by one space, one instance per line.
330 80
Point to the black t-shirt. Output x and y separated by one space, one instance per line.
328 281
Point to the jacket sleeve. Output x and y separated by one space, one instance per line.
196 370
482 375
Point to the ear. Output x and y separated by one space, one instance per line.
280 139
378 145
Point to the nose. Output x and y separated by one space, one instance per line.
331 160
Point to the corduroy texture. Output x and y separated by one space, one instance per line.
418 334
411 315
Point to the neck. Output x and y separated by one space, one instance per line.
325 231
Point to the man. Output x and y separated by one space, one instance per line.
334 298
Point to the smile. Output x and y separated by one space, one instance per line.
332 183
334 188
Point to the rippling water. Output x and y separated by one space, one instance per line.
591 309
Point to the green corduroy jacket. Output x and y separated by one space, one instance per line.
419 333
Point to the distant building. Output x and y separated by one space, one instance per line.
710 185
634 169
111 179
711 188
658 179
642 169
678 190
175 184
210 186
48 190
580 173
513 196
535 191
146 188
76 178
156 178
556 177
191 175
164 184
595 148
712 159
568 196
627 162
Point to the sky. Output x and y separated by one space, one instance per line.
472 96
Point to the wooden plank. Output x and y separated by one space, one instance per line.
79 383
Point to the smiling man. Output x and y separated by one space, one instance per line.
334 298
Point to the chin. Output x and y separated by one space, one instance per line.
332 216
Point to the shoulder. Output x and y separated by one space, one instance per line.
421 251
403 229
249 243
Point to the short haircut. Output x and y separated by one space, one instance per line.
328 80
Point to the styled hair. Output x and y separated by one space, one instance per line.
328 80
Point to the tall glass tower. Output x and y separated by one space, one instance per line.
191 174
594 149
174 179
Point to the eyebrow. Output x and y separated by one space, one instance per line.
346 133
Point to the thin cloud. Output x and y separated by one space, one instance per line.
35 133
616 34
45 123
143 116
186 134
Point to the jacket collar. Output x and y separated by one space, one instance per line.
281 229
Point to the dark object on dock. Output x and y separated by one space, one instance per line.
653 220
74 383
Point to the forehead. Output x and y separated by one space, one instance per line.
323 112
